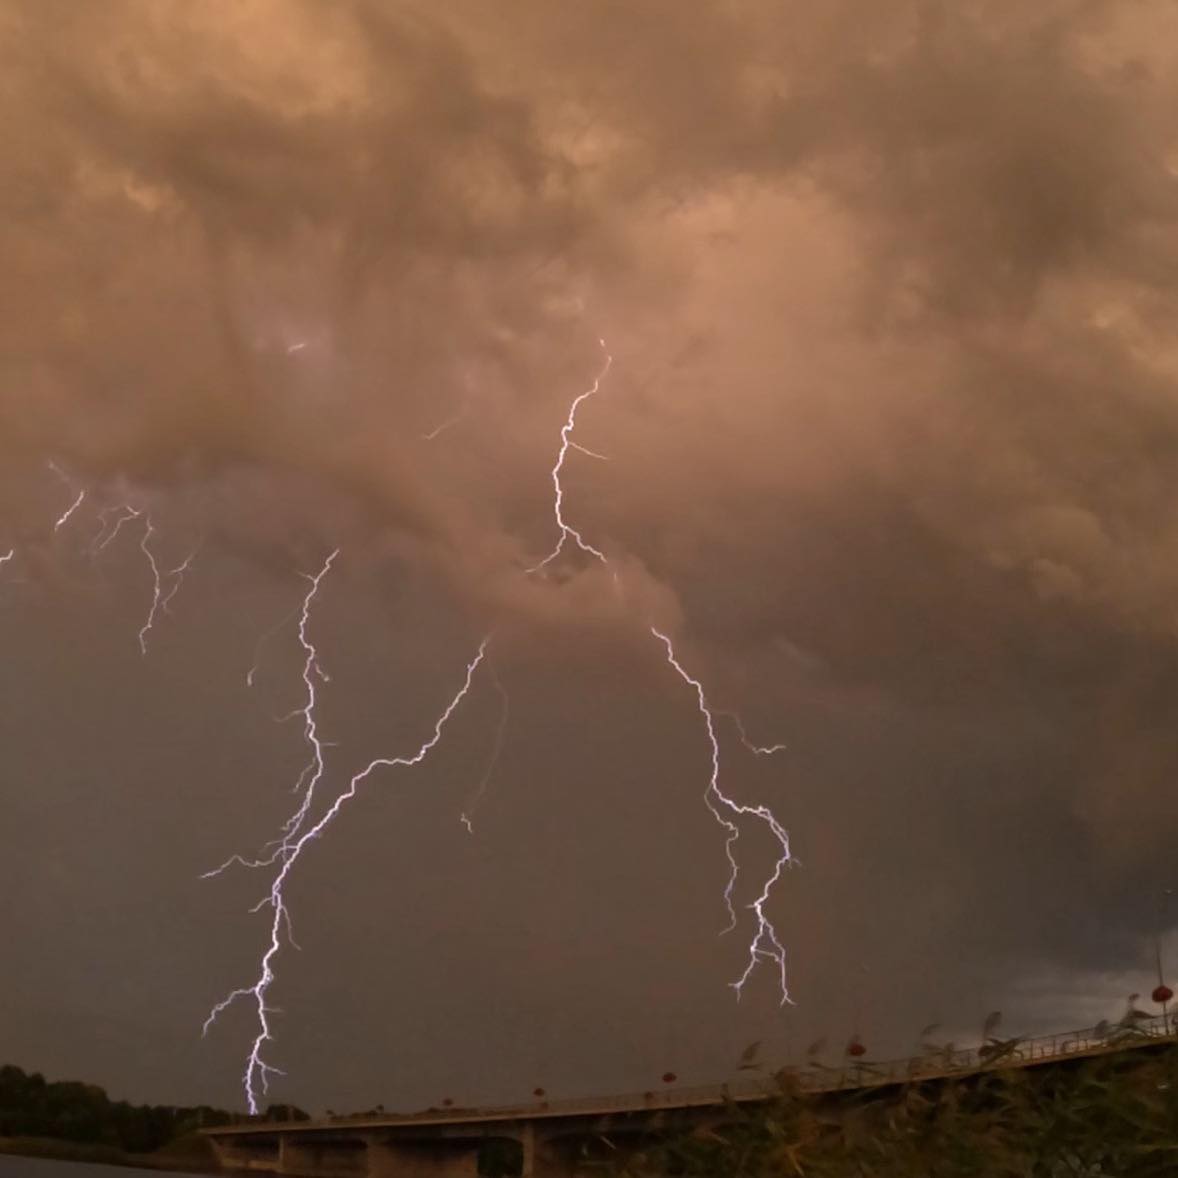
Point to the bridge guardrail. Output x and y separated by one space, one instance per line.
815 1079
866 1074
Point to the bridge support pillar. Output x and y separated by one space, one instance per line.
248 1153
541 1158
339 1157
422 1159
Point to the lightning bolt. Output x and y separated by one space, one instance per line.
257 1071
7 556
760 750
765 944
299 831
159 598
107 532
64 518
312 773
312 671
567 444
165 583
177 576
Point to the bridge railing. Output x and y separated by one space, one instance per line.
816 1078
1011 1053
851 1074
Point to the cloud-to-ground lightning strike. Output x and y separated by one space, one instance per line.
257 1070
300 830
765 945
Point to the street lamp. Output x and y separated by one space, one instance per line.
1162 993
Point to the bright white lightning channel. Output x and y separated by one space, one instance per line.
257 1070
765 944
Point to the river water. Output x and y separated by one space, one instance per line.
12 1167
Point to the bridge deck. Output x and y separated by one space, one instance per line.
851 1076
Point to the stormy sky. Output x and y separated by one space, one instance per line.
890 447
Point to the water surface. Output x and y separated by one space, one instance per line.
13 1167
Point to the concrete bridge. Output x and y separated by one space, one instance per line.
556 1137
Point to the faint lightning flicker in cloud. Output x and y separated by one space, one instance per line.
760 750
165 583
468 812
452 420
176 576
765 944
257 1070
252 673
173 578
108 532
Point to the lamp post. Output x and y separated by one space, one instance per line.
1162 993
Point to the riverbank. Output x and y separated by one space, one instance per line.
186 1155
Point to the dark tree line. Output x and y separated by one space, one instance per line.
31 1106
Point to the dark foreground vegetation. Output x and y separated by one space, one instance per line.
1110 1115
79 1122
31 1106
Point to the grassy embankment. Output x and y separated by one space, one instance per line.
1110 1115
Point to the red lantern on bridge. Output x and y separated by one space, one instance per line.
856 1049
538 1092
669 1077
447 1103
1162 994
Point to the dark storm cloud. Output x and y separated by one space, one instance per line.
891 425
